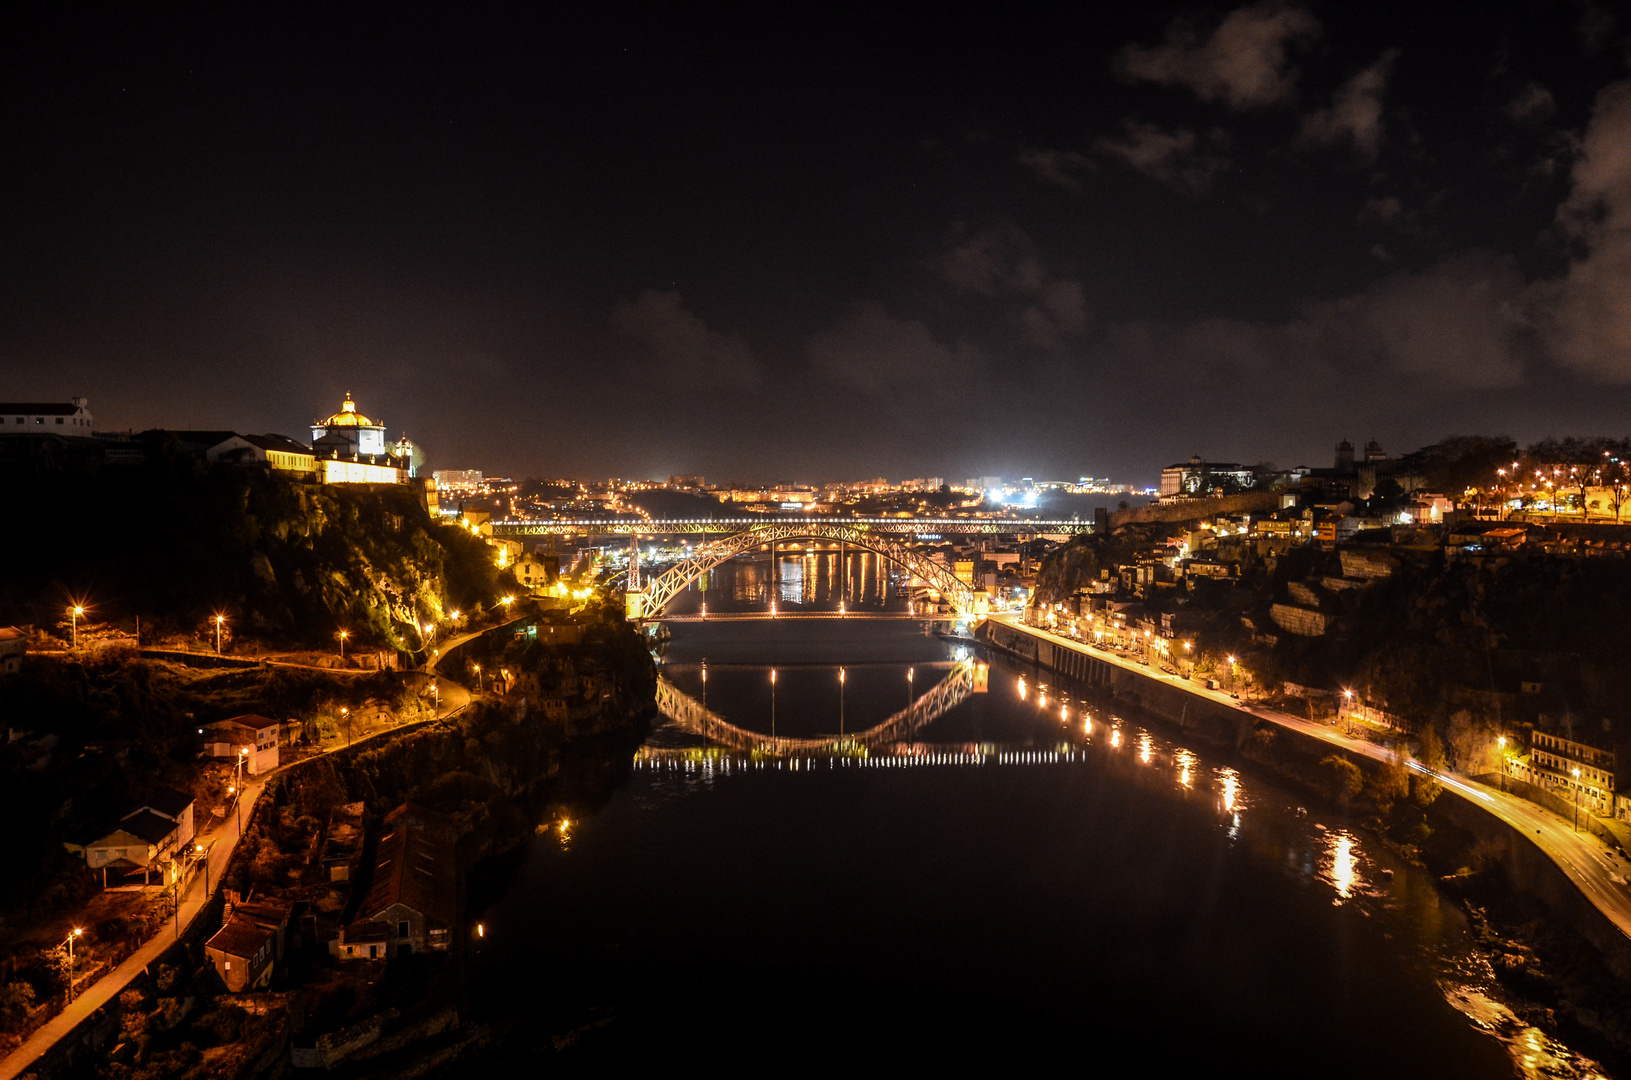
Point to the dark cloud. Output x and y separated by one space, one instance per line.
1062 168
1006 265
681 347
1179 158
1354 118
1534 104
1589 309
874 351
1244 62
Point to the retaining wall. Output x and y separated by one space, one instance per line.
1530 869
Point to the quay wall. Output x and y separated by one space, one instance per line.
1529 869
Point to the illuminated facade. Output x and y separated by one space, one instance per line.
365 437
343 471
70 419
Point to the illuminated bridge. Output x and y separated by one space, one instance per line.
917 526
966 677
652 601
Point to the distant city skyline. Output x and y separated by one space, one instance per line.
640 242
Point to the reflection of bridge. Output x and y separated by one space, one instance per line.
675 526
650 602
724 761
965 678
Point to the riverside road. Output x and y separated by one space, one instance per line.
1599 874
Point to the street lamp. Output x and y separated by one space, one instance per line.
772 703
70 944
1347 714
343 635
909 699
219 619
73 619
237 789
704 684
345 719
1576 799
1500 741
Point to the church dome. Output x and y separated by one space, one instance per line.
348 416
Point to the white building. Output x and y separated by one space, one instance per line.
365 437
71 418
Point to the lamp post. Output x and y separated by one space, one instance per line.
478 678
1231 674
345 721
705 684
70 944
772 703
1347 714
343 635
73 620
1576 799
909 699
238 790
1500 742
219 619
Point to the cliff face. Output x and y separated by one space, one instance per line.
174 541
489 766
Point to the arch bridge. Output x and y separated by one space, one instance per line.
651 601
688 714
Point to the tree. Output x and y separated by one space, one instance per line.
16 1001
1342 777
1431 754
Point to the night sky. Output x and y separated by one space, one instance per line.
763 244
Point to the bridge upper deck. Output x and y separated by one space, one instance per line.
919 526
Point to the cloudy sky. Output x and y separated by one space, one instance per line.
822 243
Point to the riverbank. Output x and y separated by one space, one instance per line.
1551 904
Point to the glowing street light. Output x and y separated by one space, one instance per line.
1500 742
345 719
73 619
70 944
1576 772
772 703
343 635
909 698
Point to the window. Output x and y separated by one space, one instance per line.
59 420
229 965
373 952
402 928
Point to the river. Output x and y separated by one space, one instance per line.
1029 876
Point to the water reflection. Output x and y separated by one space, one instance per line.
1249 821
1343 864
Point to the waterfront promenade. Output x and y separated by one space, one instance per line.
1593 867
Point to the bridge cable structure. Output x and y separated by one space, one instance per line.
689 715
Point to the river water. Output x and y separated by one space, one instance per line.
1023 875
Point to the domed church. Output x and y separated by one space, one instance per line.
349 432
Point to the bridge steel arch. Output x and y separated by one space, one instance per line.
673 581
688 714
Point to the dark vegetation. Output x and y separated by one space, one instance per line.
174 541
